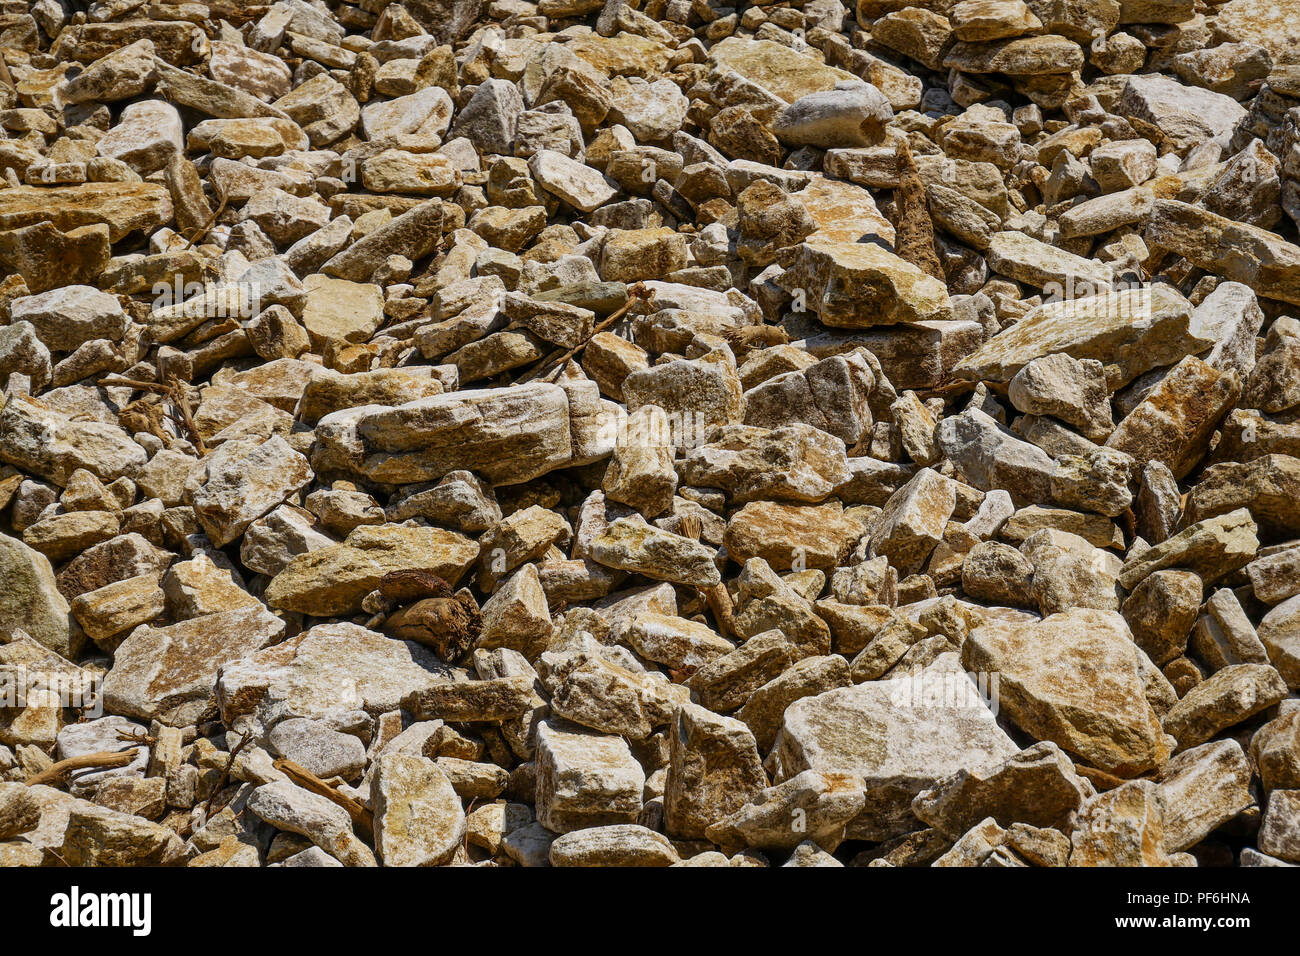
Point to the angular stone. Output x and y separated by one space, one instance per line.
860 285
169 673
914 520
791 463
585 779
334 579
713 770
1267 486
1175 421
31 600
419 820
629 544
1202 789
777 68
1238 251
508 435
289 807
1279 632
1211 548
1050 684
242 488
1037 786
51 445
324 671
822 803
901 735
624 844
123 207
1121 827
1130 332
791 536
1232 695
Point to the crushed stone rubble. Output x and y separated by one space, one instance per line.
650 433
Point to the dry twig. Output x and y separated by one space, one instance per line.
361 816
556 360
102 760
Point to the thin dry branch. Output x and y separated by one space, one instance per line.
555 361
102 760
361 816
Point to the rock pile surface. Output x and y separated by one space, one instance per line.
650 432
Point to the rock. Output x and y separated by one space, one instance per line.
1211 548
325 823
124 207
1037 786
822 802
585 780
335 578
640 473
326 670
1178 116
476 429
776 68
1073 391
913 520
849 115
1279 633
836 731
833 395
713 769
31 599
1279 834
169 673
1130 332
325 752
1201 789
1247 254
1232 695
791 536
824 270
68 317
1173 424
792 463
625 844
579 186
418 816
97 836
52 445
633 545
412 234
244 487
682 434
1161 611
338 311
1121 827
147 135
1260 485
1048 686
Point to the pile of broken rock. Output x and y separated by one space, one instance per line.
650 432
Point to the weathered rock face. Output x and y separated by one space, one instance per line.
31 602
419 820
1129 332
507 435
335 579
713 768
857 286
587 433
1052 683
330 669
168 674
901 735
